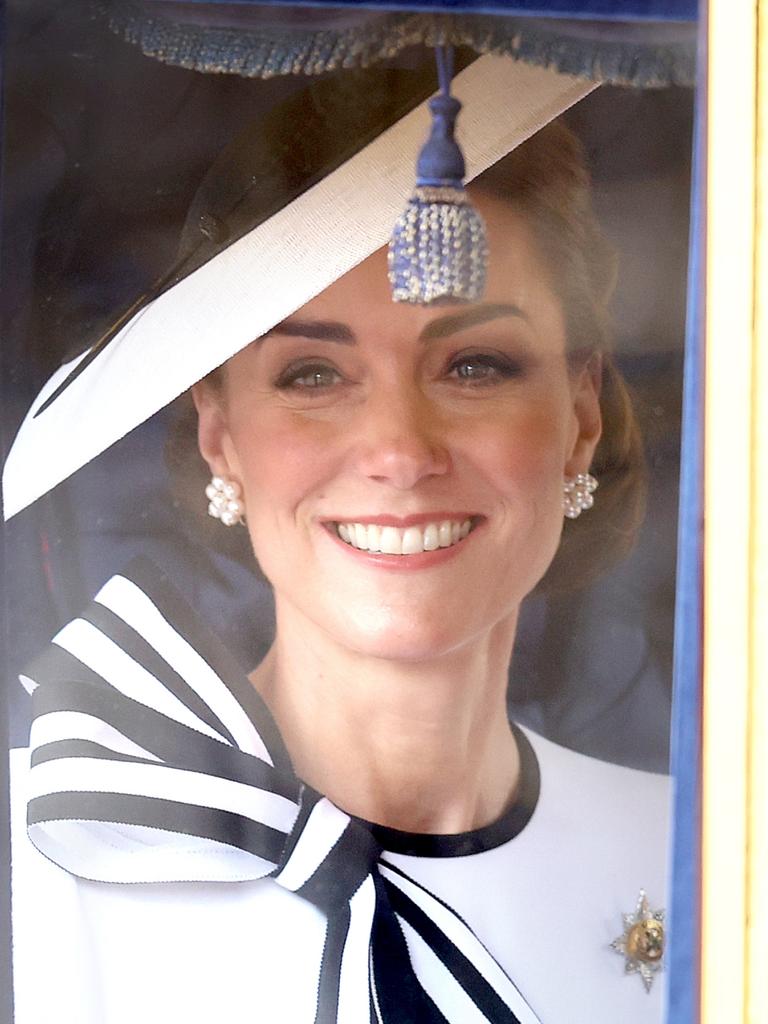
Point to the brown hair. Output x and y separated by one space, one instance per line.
546 178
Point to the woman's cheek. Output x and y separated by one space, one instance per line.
279 447
528 450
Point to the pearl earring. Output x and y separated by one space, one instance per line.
224 501
577 494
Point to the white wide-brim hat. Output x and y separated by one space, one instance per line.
249 285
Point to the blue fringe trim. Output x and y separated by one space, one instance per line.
631 55
641 56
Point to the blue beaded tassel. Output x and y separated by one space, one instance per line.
438 250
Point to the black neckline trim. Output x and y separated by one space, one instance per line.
463 844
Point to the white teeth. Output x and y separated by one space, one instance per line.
412 540
391 540
361 537
374 537
431 538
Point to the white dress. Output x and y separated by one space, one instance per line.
544 890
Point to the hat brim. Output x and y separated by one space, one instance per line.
267 274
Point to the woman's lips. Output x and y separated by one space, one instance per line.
415 535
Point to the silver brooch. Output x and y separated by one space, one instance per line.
642 944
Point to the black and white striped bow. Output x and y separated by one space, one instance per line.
153 759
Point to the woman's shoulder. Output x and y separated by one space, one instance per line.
616 818
569 770
597 838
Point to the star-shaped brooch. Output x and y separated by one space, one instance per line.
642 944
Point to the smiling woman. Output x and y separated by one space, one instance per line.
392 420
364 411
541 224
354 831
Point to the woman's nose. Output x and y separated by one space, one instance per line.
401 439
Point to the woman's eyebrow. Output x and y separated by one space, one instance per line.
335 331
318 330
454 322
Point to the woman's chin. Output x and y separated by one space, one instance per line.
410 639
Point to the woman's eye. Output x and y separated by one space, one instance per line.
483 368
309 377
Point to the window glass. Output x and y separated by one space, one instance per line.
443 515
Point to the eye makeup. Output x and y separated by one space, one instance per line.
307 375
481 367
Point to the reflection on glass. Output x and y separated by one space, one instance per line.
285 718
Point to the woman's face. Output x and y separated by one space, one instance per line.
361 420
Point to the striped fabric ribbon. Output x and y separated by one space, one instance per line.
155 760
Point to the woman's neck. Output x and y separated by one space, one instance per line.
419 746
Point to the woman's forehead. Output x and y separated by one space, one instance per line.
518 284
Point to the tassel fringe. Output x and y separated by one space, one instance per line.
438 251
640 56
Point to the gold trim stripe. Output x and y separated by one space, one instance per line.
729 522
735 839
757 866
